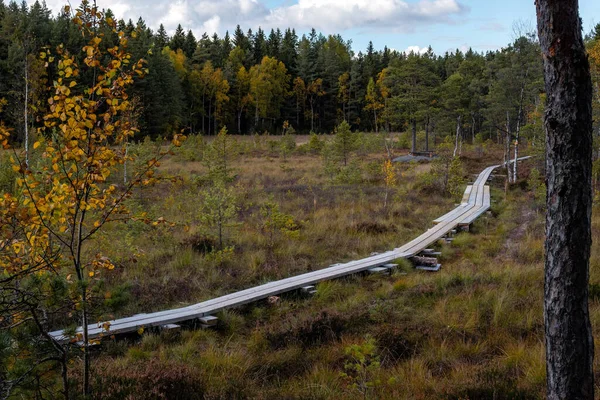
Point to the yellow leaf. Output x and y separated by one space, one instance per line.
36 145
73 83
91 274
140 330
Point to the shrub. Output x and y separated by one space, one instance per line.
147 379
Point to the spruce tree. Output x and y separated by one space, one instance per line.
178 40
189 46
161 39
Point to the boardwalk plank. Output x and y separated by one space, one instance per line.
476 201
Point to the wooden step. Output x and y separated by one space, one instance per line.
307 289
429 268
170 327
209 320
378 270
424 261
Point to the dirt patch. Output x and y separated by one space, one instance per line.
408 158
373 228
515 236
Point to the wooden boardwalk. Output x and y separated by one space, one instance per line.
475 202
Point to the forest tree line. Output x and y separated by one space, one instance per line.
251 82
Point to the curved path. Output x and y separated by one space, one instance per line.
475 202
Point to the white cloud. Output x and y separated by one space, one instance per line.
337 15
120 8
324 15
211 25
178 13
416 50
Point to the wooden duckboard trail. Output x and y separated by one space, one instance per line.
476 202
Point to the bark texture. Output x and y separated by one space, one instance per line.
568 122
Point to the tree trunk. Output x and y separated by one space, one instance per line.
462 139
472 129
414 135
209 114
203 112
215 120
515 175
312 116
518 131
427 134
507 148
125 166
86 345
26 114
375 115
457 134
568 122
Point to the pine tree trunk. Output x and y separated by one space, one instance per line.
256 117
209 114
215 120
427 135
203 112
414 135
375 114
569 342
312 117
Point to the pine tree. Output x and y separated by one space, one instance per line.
161 39
189 46
273 44
344 142
178 40
259 46
289 50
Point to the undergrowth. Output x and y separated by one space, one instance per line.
474 330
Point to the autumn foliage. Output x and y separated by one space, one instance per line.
63 199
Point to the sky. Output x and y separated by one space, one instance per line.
403 25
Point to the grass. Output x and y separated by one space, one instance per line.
472 331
